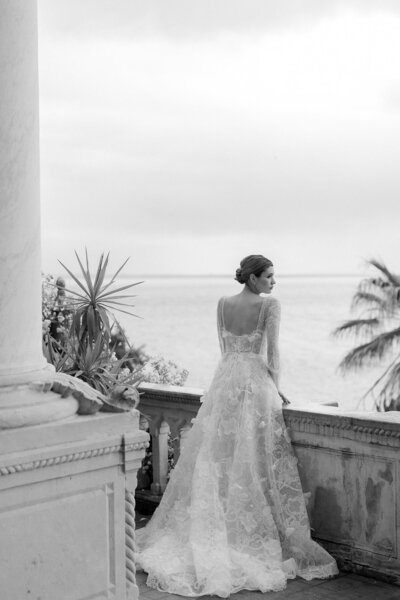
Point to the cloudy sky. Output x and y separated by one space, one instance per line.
189 133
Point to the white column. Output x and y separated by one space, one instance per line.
21 359
20 282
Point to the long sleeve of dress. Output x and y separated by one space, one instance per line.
273 318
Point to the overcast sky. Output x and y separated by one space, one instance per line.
187 134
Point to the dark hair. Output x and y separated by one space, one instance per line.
254 263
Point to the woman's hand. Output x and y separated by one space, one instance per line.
284 399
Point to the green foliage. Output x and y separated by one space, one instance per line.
377 329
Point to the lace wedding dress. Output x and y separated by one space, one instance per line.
233 515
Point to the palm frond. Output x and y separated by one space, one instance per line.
379 300
357 327
390 391
378 381
370 352
383 298
380 266
365 298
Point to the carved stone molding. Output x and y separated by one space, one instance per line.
136 446
57 460
187 398
66 458
130 544
377 429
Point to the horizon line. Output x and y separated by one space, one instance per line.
224 275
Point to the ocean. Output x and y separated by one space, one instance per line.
178 321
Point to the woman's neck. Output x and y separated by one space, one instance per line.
247 291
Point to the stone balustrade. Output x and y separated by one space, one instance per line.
170 409
349 464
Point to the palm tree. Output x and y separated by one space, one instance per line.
377 328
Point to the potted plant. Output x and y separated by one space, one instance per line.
81 349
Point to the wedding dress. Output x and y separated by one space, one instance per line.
233 515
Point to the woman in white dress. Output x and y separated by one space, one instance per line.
233 515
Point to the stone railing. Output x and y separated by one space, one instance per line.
170 410
349 464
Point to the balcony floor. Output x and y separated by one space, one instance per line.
346 586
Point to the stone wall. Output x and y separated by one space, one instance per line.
349 462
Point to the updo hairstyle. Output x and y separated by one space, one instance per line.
254 263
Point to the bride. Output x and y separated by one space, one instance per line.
233 515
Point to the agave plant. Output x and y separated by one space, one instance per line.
95 300
115 384
85 353
377 327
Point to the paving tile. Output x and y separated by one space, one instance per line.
316 593
296 585
150 593
176 597
351 588
343 587
340 583
362 584
303 584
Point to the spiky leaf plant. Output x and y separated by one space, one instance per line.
115 384
95 300
377 329
85 354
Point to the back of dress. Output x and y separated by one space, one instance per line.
263 340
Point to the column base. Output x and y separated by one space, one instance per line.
21 406
24 403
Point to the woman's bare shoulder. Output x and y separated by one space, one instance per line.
237 299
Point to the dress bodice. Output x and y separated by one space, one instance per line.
263 340
250 342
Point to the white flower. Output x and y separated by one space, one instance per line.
46 325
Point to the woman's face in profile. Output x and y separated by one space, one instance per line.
266 281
